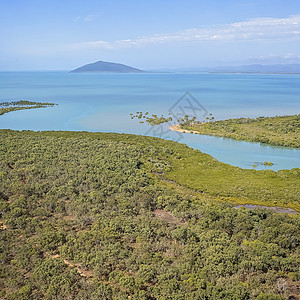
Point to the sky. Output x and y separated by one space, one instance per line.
156 34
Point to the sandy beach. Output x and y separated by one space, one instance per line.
177 128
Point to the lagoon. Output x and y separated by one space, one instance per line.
103 102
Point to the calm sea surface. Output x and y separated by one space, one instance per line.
103 102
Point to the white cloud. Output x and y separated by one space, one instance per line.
88 18
254 29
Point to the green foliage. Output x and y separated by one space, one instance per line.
186 120
154 120
79 210
279 130
6 107
269 297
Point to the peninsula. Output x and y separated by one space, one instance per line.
279 130
6 107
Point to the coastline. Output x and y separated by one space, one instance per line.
177 128
250 130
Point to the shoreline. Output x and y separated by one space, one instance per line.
177 128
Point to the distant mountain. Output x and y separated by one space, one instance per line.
106 67
256 68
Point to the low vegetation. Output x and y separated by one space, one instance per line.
6 107
155 120
152 120
116 216
279 130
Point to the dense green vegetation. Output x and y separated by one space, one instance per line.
279 131
6 107
115 216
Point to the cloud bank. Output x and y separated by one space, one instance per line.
254 29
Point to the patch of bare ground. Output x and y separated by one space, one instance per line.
167 216
2 225
82 272
87 274
69 218
293 288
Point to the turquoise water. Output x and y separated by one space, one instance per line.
103 102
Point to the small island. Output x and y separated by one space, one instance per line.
106 67
6 107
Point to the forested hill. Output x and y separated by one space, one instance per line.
106 67
115 216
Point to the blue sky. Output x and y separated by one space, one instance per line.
64 34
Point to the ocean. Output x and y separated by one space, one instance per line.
103 102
